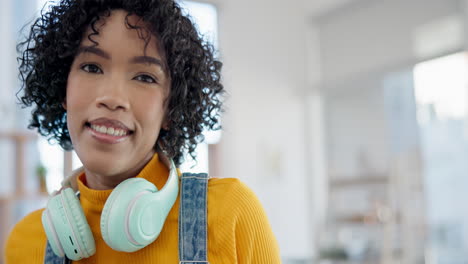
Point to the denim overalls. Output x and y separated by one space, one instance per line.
192 223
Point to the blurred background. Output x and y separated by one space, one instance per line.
348 118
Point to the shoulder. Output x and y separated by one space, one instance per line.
27 236
231 191
231 185
231 198
236 211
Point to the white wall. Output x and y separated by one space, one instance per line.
322 7
263 49
357 131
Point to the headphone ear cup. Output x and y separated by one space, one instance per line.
67 228
85 237
115 218
51 233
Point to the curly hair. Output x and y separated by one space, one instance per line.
196 93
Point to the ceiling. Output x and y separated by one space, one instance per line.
315 8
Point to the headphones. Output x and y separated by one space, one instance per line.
132 218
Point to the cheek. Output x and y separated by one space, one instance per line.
76 102
77 93
150 111
72 90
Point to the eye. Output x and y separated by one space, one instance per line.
91 68
145 78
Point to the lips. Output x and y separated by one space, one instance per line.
108 130
109 123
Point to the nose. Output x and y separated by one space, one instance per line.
113 96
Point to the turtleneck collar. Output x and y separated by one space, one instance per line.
155 172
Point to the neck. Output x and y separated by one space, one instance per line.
99 181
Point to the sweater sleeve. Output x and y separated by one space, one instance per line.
255 241
26 242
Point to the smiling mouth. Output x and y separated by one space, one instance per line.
108 134
109 130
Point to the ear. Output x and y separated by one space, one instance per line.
165 124
64 104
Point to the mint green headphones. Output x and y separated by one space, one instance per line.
132 218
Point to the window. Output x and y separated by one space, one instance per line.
441 89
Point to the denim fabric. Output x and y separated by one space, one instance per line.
192 223
51 258
193 219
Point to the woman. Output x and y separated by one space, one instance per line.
130 86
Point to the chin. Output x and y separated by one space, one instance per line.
103 169
102 164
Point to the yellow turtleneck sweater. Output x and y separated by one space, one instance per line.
238 229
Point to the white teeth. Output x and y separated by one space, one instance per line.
118 132
110 131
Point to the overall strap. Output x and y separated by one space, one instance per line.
193 219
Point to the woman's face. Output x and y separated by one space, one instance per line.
115 98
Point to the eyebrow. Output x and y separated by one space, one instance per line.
94 50
135 60
147 60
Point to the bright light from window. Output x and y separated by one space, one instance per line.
51 157
441 95
205 17
441 84
44 3
76 162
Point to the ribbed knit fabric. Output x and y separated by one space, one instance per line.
238 229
